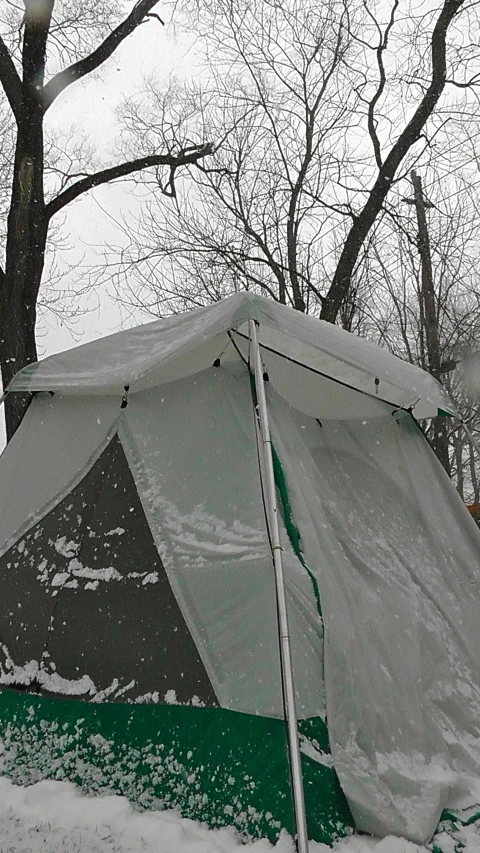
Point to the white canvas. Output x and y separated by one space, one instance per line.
165 350
396 556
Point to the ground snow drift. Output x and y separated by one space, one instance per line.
54 817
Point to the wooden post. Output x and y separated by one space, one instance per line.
430 314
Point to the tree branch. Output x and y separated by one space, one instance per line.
342 279
36 28
184 158
90 63
382 46
10 80
472 82
157 17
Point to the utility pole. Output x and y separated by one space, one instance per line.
430 314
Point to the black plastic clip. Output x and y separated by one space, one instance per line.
125 397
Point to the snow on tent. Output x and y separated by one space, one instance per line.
153 541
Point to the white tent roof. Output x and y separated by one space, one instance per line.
301 353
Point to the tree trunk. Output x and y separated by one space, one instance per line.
441 442
23 273
17 349
428 301
473 475
28 217
298 301
25 256
459 450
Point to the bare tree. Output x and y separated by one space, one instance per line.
316 143
62 33
394 310
277 99
431 85
311 136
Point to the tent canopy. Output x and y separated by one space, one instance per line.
312 364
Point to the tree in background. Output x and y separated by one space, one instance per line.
429 32
391 308
320 112
277 99
44 49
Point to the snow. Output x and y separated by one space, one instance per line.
152 577
310 749
32 671
75 570
80 571
64 548
54 817
197 535
170 697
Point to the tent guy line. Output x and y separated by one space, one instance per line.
319 372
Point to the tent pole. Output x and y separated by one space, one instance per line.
284 634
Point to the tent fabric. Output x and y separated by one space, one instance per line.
392 660
52 449
198 481
398 571
88 625
203 497
166 350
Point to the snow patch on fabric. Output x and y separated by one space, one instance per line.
76 573
198 536
32 672
312 749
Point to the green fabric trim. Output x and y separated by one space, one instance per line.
446 839
449 837
463 816
292 530
217 766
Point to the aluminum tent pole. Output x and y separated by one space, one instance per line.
283 630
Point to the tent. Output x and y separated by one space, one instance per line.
142 544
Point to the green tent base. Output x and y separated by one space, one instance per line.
449 837
221 767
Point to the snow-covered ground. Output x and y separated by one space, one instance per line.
54 817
